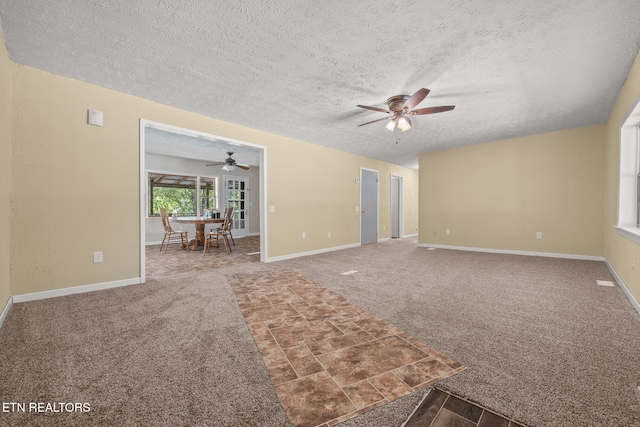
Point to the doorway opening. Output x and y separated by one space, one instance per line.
168 148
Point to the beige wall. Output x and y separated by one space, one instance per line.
498 195
6 77
75 186
619 251
314 191
68 189
76 190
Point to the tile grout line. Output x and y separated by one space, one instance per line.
343 392
511 420
439 410
429 390
298 376
482 416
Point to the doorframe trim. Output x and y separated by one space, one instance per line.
264 232
377 203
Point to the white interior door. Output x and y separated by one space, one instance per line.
368 206
396 207
235 189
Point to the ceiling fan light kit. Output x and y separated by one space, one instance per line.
404 123
391 125
401 106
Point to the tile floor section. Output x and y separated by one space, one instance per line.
330 360
441 409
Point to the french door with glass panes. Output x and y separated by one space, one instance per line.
236 188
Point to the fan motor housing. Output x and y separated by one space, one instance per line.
396 102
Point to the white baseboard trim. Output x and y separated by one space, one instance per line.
75 290
625 289
510 252
316 252
410 235
5 311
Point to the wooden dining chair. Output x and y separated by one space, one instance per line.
170 234
230 227
223 231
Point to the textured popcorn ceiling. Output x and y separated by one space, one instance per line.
298 68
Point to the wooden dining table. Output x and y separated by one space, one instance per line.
200 222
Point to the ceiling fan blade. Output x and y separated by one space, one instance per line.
241 166
378 120
416 99
382 110
431 110
216 163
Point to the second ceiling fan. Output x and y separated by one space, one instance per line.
229 163
403 106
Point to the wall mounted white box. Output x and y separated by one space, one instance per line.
94 117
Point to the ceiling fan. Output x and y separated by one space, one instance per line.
229 163
401 107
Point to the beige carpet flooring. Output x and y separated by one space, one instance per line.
542 343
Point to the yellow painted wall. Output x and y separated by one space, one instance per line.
498 195
6 77
76 187
619 251
314 186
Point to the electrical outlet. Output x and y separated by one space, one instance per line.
447 232
539 235
97 257
304 235
329 234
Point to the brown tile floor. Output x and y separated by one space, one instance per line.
330 360
176 260
441 409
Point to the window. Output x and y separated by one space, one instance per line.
180 194
629 177
207 193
